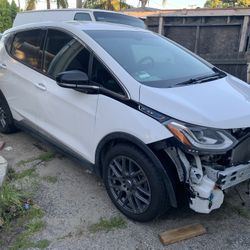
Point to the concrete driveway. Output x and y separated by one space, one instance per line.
74 199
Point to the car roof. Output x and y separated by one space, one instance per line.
79 25
72 10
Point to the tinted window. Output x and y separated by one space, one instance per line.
103 77
149 58
75 57
118 18
56 43
27 47
82 17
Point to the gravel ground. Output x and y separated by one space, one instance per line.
77 199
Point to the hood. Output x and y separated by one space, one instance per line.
223 103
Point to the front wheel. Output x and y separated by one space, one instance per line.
134 184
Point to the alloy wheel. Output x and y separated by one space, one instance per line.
129 184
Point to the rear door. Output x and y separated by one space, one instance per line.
21 74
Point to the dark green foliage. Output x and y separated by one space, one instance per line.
7 14
227 3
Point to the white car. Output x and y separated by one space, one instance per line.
157 123
93 15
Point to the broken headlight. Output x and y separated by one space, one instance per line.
201 138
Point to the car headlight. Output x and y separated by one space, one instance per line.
192 137
201 138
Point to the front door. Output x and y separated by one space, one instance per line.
69 115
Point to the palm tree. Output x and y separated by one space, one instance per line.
31 4
78 3
164 3
62 3
106 4
48 4
145 2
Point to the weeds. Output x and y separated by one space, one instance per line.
44 157
29 224
31 172
42 244
108 225
11 202
35 226
19 217
47 156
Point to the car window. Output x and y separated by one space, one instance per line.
103 77
27 47
82 17
75 57
118 18
56 42
151 59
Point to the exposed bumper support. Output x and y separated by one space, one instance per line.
230 176
206 183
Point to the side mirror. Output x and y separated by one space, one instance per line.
75 79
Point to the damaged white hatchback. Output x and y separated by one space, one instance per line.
157 123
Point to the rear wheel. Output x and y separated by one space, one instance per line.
6 120
134 184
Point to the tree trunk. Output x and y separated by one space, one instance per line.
48 4
144 3
78 3
109 5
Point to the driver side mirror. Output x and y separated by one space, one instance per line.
75 79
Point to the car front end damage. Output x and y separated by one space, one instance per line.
208 161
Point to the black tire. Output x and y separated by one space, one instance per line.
6 120
140 193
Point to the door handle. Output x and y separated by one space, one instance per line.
41 86
3 66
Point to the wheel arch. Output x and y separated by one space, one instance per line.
121 137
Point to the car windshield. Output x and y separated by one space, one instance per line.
151 59
118 18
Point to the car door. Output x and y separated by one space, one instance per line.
69 115
21 74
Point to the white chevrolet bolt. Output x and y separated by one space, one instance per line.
158 124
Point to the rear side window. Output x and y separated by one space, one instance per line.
82 17
27 47
56 42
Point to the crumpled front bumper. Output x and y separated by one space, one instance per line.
206 182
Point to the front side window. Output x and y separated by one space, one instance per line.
149 58
27 47
56 42
104 78
64 53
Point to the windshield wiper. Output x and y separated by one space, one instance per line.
219 74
